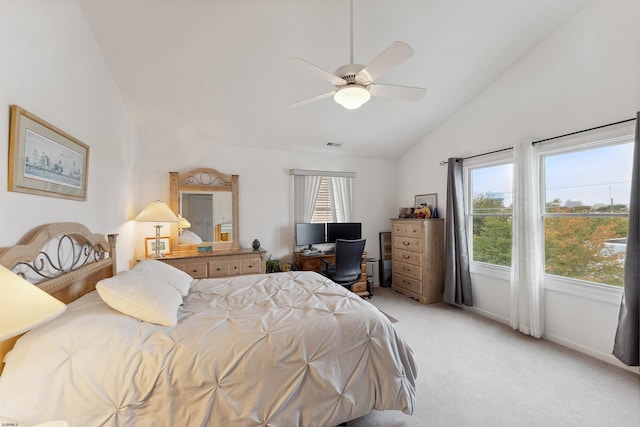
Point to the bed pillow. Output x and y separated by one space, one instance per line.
164 272
189 237
138 295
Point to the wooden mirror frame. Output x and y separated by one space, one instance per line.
204 180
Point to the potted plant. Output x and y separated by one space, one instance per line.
273 265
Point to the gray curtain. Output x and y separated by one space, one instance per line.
627 344
457 283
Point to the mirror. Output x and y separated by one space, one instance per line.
208 200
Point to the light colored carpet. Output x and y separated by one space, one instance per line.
473 371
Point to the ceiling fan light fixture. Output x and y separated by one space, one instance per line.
352 96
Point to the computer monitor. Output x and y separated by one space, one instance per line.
308 234
343 230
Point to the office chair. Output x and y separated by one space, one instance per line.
347 267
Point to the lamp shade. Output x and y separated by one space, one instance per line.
157 212
183 223
352 96
23 306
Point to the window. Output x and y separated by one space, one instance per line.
586 193
323 210
490 191
322 196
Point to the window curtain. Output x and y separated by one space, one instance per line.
457 284
341 195
305 192
627 342
527 268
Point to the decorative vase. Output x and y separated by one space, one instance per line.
256 244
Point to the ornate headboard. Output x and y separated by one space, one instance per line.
64 259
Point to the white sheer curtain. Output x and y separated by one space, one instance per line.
527 267
341 194
305 189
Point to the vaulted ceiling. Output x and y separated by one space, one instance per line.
218 70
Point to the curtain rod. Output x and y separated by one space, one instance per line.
546 139
442 163
583 130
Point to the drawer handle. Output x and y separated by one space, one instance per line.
218 269
250 265
405 243
406 256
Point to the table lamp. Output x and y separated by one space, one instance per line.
157 212
182 223
23 306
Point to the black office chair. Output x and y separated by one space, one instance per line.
347 267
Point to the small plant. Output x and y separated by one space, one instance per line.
273 265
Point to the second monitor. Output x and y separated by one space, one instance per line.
343 230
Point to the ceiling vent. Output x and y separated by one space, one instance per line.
334 144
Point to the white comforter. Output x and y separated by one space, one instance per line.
280 350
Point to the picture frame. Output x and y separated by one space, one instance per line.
45 160
150 246
429 200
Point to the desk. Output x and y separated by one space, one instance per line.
314 263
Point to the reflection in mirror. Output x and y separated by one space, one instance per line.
208 200
209 215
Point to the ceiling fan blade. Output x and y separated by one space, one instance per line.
332 78
406 93
313 99
395 54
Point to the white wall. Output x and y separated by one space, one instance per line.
266 187
585 74
52 67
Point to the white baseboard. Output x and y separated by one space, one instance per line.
488 314
609 358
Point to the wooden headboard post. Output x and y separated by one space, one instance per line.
89 258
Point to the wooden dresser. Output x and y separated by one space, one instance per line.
314 263
418 258
230 262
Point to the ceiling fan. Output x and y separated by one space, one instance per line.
354 83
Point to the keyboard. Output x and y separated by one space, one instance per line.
312 253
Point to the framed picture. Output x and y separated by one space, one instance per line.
44 160
150 246
428 200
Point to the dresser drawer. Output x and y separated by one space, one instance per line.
235 267
197 270
310 264
413 258
361 286
412 271
407 243
218 268
251 266
407 229
407 283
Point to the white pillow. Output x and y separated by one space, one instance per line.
167 273
189 237
143 297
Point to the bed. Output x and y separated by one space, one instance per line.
284 349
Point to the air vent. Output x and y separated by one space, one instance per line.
334 144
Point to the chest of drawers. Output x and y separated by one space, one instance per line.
417 258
